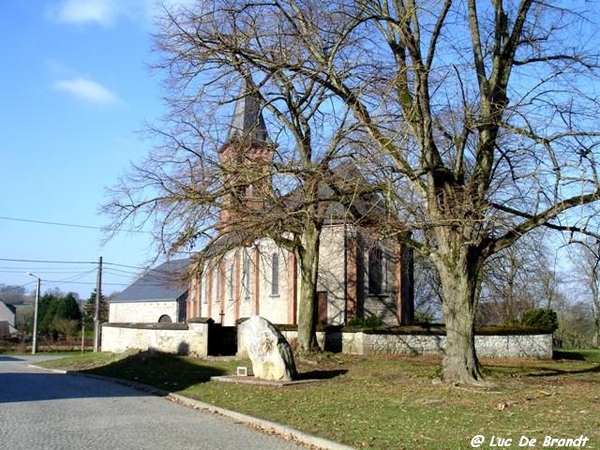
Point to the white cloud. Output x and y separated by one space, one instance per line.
102 12
107 12
87 90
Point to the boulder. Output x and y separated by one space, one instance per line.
269 351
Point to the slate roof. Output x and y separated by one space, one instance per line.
11 308
353 202
247 123
222 243
163 283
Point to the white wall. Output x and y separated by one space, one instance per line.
190 341
141 312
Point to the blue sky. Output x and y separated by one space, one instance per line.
76 90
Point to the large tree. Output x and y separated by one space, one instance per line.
485 112
492 131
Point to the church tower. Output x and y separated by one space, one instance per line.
246 159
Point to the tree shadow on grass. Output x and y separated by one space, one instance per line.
548 371
568 355
554 371
163 371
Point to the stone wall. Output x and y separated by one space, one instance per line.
537 346
192 339
184 339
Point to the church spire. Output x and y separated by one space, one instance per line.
246 158
247 124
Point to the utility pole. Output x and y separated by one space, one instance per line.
97 307
34 344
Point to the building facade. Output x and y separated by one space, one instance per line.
357 278
360 275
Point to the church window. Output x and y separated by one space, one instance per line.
217 284
375 271
246 276
275 274
230 282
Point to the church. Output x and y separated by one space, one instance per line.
360 274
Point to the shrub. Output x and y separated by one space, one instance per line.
365 322
540 317
423 317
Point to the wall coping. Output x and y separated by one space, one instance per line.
148 326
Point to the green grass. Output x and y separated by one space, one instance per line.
390 402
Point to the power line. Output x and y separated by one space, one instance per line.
124 265
71 225
70 274
46 261
49 261
44 222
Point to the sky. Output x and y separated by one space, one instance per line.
76 91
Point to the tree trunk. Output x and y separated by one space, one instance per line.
458 269
308 258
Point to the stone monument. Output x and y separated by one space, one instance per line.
269 351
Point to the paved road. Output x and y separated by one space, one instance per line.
41 410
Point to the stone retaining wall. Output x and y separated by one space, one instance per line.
537 346
184 339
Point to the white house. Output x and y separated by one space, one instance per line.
8 314
158 296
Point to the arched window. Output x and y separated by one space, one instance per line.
217 283
230 282
375 271
165 318
246 275
275 274
205 288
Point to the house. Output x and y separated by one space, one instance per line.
157 296
8 314
360 273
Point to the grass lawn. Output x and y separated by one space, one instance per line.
391 402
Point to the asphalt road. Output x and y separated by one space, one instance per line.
42 410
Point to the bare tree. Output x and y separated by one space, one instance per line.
202 185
